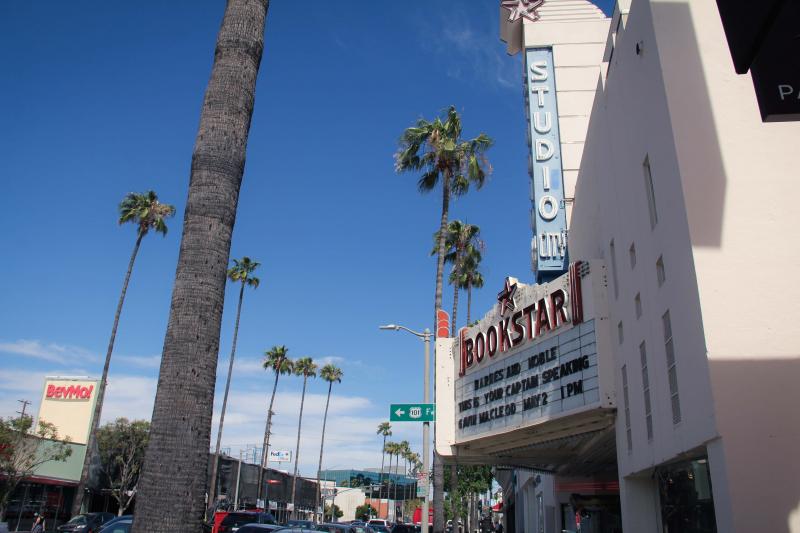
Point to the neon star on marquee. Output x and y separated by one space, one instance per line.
522 8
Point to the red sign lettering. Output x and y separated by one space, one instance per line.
72 392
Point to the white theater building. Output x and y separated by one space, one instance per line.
653 386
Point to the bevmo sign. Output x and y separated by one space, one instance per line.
70 392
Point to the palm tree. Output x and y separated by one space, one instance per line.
147 213
277 360
331 374
461 241
385 429
470 276
173 481
437 150
241 272
302 367
391 449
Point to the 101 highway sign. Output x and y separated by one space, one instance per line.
412 412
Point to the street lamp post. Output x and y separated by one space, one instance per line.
426 426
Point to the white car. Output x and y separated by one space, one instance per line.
378 522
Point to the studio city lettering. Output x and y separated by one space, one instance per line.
547 210
71 392
517 323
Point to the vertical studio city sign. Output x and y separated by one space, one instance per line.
548 217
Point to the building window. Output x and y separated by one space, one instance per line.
638 304
651 193
648 416
632 252
620 335
661 276
614 268
669 348
628 433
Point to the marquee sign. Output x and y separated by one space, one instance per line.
548 217
533 357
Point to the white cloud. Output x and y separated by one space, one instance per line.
57 353
131 397
469 52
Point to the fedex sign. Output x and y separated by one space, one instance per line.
71 392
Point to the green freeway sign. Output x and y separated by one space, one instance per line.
412 412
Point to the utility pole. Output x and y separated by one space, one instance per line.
238 476
25 404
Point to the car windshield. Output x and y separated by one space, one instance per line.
80 519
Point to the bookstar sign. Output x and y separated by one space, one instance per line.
534 357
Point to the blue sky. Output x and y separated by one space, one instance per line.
103 98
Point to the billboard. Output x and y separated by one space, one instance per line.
68 403
280 456
548 214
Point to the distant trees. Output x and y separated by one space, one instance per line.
365 512
23 450
121 445
332 511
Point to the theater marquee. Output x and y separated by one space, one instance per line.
535 356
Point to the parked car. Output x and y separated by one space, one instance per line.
233 521
403 528
343 528
378 522
377 528
308 524
259 528
118 526
117 519
86 523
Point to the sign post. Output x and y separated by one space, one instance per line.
412 412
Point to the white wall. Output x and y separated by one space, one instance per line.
739 176
725 187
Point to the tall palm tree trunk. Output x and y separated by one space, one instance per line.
297 448
455 311
383 459
212 491
393 489
322 441
173 481
469 301
438 474
91 443
265 447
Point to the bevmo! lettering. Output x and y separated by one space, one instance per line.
72 392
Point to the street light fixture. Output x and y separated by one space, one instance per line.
426 426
